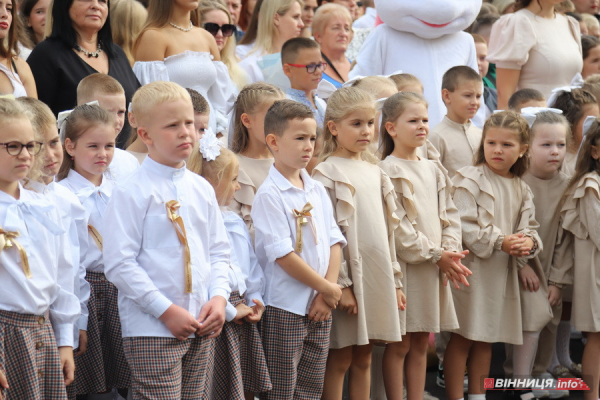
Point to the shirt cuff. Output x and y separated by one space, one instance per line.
219 292
508 65
436 255
498 242
230 312
279 249
251 296
82 323
64 334
158 306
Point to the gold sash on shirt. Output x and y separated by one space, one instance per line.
172 207
96 236
301 220
7 239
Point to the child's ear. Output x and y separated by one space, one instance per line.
332 128
287 70
595 152
132 120
271 141
446 96
390 128
245 118
143 134
524 148
69 146
276 20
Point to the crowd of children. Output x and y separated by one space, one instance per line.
183 269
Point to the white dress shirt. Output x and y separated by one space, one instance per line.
143 256
94 200
122 165
276 236
50 287
245 274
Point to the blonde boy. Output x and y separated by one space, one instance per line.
168 253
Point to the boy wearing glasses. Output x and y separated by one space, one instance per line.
302 64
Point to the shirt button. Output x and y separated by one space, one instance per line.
39 345
41 320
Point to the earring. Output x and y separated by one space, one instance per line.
520 155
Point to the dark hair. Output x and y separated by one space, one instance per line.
283 111
250 35
522 96
588 43
26 32
12 38
456 75
575 15
291 48
571 103
523 3
62 27
484 21
199 102
585 163
509 120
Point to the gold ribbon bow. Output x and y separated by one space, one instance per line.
301 220
7 239
172 207
96 236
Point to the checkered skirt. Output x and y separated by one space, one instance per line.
116 368
29 358
255 372
89 374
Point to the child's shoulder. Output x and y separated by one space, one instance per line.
235 224
472 178
588 183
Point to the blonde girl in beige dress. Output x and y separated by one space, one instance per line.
581 212
499 229
364 205
428 239
248 143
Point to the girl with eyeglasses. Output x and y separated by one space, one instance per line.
217 21
173 47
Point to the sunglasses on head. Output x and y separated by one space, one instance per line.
226 29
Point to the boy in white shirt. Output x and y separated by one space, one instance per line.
298 244
168 253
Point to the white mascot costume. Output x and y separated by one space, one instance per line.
424 38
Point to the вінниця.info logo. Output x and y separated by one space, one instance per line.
533 383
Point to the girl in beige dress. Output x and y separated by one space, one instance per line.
428 240
581 212
499 229
364 203
248 143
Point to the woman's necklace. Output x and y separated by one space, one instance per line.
90 54
180 28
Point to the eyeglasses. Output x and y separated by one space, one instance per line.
311 68
15 148
226 29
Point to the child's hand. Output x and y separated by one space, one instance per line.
450 264
554 295
83 342
332 294
179 322
3 384
348 302
212 317
401 299
242 312
517 245
67 364
257 311
319 310
529 278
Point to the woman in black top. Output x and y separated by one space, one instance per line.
80 44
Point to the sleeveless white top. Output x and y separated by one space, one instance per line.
18 88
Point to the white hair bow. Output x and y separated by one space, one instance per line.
210 145
576 83
64 115
587 124
530 113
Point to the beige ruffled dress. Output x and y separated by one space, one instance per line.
490 207
429 224
253 173
581 213
364 205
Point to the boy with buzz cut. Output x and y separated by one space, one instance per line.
456 138
168 253
302 64
526 98
298 244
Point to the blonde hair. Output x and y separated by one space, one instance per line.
512 121
214 171
592 85
81 119
393 108
249 101
342 103
267 30
552 118
95 84
376 85
127 20
325 13
149 96
11 110
236 73
403 80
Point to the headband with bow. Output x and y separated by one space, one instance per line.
576 83
530 113
63 116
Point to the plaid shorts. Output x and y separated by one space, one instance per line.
296 349
29 358
167 368
88 377
116 368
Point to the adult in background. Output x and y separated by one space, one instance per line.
235 9
332 29
308 13
128 18
522 60
250 27
369 18
173 47
80 44
33 16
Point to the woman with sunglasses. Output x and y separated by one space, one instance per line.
173 47
278 21
217 20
